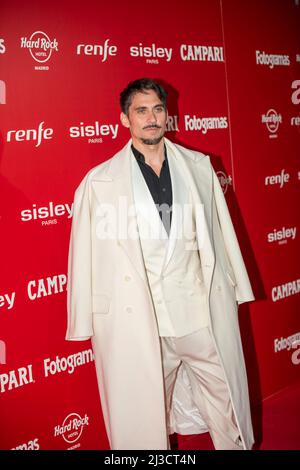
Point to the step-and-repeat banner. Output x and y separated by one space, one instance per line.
232 70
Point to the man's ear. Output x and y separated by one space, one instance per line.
124 120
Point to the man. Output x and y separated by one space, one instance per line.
155 275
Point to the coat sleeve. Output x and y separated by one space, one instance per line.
79 292
243 287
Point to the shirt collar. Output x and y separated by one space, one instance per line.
140 157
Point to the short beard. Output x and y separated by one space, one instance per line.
152 141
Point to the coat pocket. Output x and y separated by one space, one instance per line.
231 278
101 304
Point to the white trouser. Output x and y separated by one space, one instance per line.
196 352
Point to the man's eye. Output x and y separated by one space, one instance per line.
159 109
141 111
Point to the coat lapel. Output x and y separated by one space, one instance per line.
118 191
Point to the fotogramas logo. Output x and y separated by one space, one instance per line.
41 47
72 428
272 120
224 180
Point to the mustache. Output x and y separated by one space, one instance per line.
152 126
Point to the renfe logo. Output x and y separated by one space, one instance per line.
97 49
31 134
280 179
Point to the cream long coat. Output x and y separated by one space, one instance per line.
110 302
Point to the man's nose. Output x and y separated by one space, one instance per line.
152 116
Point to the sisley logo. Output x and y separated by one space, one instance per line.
40 46
296 94
196 123
2 92
271 59
30 134
94 131
151 53
7 300
71 428
103 50
280 179
44 287
224 180
285 290
282 236
16 378
2 46
201 53
272 120
46 212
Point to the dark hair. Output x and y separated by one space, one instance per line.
141 86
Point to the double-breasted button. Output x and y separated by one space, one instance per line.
127 278
129 309
219 288
159 302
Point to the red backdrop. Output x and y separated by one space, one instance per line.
232 72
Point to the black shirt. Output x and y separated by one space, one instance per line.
160 186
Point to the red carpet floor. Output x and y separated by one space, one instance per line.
276 425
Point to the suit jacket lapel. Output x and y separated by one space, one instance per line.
199 180
180 195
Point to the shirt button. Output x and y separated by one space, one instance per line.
219 288
159 302
127 278
129 309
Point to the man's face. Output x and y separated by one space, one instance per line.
146 118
